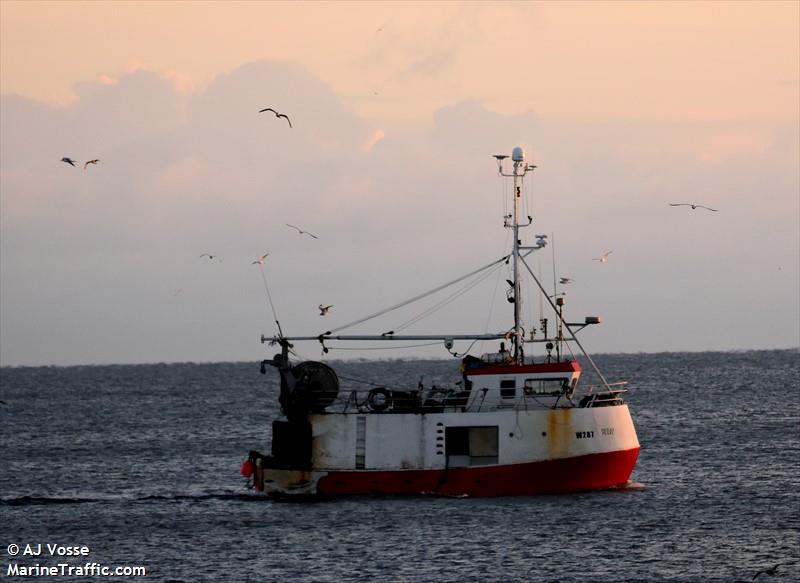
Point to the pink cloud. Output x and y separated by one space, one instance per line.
376 137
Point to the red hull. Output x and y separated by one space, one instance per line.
588 472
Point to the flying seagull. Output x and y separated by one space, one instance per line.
212 257
323 310
95 161
301 231
261 259
694 206
771 571
603 258
276 114
68 160
566 280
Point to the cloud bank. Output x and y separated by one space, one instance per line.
103 265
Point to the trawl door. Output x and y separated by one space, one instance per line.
470 446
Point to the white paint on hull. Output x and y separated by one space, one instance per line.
409 441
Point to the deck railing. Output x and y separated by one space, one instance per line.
380 399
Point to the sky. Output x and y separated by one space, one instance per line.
396 111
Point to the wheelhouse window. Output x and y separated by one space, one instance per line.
546 386
471 446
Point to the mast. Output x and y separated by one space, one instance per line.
520 168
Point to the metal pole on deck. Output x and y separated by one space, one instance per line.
518 161
521 167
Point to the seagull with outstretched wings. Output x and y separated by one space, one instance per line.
277 114
603 258
301 231
261 259
694 206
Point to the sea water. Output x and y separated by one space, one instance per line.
140 465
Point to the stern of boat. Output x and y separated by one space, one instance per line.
268 476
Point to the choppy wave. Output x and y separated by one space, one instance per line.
141 463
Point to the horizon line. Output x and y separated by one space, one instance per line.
395 359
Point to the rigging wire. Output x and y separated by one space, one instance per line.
555 294
529 306
569 329
492 302
493 298
528 200
269 297
504 195
393 347
541 301
419 297
530 196
523 207
449 299
553 249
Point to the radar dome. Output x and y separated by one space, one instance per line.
517 154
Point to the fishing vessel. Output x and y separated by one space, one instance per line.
513 424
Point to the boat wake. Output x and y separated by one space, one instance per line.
180 497
629 486
45 500
56 500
